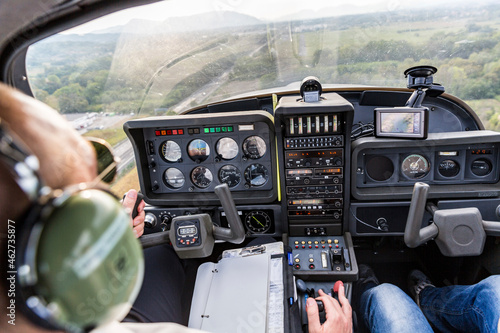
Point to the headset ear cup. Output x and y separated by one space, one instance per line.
89 265
24 287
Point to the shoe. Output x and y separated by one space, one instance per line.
366 275
418 281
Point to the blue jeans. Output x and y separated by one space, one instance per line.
475 308
386 308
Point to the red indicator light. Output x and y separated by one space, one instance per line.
157 133
174 132
181 132
169 132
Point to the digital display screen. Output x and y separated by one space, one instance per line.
327 171
299 172
309 154
307 202
187 231
401 123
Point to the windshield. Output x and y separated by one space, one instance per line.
165 58
168 57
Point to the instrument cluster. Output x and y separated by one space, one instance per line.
188 156
226 150
457 163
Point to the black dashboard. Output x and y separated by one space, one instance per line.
298 168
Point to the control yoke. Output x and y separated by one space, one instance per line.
235 234
458 232
193 236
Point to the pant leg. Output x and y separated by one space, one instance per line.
386 308
474 308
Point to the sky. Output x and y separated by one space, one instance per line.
266 10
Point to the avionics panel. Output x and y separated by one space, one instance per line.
313 146
181 159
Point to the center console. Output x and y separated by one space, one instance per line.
314 148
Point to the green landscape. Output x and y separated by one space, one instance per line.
140 73
163 69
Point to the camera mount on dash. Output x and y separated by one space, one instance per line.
410 121
421 79
310 89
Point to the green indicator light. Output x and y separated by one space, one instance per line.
206 130
212 130
224 129
217 129
230 128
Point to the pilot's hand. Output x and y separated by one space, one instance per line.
138 221
338 318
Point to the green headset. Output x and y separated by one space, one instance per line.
78 263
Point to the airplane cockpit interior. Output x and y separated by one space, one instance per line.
282 152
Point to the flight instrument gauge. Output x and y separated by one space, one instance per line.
170 151
174 178
415 166
198 150
201 177
448 168
254 147
258 222
227 148
256 174
230 175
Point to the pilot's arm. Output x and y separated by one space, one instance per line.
338 316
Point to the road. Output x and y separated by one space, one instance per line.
125 153
208 89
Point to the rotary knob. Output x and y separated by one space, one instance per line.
150 220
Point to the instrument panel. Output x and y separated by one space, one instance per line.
329 181
188 156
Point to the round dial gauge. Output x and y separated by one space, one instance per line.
227 148
174 178
448 168
198 150
201 177
258 222
256 174
415 166
170 151
254 147
230 175
481 167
